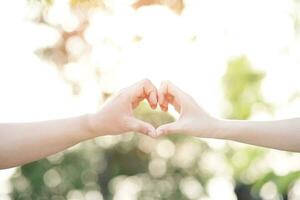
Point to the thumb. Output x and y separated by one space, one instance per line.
141 126
171 128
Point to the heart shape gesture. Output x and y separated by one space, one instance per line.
117 117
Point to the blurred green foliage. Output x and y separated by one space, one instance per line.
242 88
89 3
46 2
158 168
173 167
96 165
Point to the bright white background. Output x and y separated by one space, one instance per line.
31 89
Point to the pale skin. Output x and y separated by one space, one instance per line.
193 120
26 142
21 143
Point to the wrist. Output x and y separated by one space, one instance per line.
207 128
92 125
216 130
85 126
227 129
219 132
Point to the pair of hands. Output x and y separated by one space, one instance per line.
117 117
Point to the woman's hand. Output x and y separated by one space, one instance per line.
193 119
33 141
116 116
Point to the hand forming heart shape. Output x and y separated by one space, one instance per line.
117 115
193 120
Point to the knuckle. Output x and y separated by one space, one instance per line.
143 129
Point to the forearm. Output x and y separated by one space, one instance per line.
281 134
25 142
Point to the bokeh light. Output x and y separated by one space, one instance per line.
238 58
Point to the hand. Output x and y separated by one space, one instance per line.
117 115
193 119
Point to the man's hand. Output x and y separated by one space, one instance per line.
193 119
117 115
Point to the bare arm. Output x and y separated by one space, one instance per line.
21 143
24 142
193 120
279 134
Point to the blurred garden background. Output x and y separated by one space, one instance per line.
239 59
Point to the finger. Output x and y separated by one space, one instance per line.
171 128
145 90
152 99
169 94
141 127
162 101
162 93
151 93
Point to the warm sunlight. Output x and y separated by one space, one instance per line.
121 44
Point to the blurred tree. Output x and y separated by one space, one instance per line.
242 88
242 91
175 167
296 16
59 54
87 3
175 5
46 2
100 164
